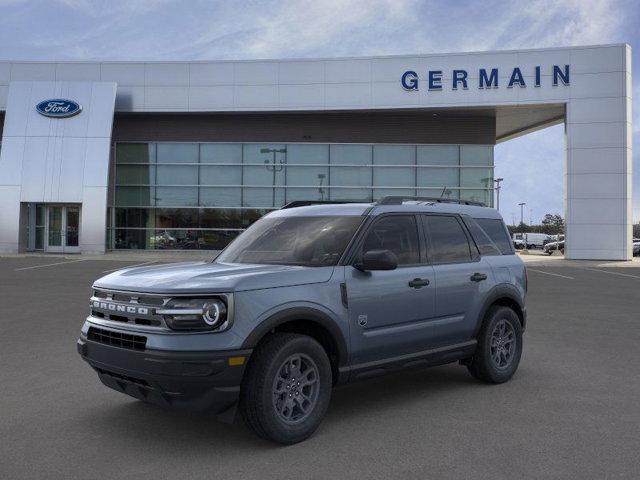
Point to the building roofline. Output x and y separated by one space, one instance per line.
321 59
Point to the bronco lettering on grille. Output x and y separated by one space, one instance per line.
114 307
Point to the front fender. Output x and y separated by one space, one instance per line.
312 312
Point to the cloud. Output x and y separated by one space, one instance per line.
249 29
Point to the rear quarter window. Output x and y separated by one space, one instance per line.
497 232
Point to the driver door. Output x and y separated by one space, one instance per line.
390 310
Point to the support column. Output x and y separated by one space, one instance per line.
598 205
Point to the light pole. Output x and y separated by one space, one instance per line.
522 212
497 182
321 177
274 166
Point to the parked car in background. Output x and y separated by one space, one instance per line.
554 238
532 240
636 247
551 247
518 244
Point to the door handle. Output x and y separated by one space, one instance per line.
418 282
478 277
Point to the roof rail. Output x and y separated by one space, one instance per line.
306 203
398 200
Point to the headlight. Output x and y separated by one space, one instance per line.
195 314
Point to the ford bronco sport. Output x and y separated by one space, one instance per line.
309 297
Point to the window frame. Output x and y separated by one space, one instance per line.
474 253
355 248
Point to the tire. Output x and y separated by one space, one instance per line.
273 402
489 364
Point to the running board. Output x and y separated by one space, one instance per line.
425 358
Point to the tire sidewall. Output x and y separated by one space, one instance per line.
496 374
272 423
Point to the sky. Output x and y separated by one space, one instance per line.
532 166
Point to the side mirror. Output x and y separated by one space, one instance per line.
377 260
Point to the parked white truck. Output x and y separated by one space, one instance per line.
531 240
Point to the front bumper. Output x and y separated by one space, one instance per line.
196 381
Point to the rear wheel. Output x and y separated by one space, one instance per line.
499 347
287 388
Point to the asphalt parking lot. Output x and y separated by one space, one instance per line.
571 411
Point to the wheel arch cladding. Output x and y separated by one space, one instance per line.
306 321
503 296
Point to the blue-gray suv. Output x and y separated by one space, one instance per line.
310 297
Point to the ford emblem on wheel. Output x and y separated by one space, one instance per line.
58 108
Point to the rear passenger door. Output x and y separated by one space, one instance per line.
462 277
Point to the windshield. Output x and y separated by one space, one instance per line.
305 241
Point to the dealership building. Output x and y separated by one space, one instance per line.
99 156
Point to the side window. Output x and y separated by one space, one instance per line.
497 232
449 243
484 243
397 233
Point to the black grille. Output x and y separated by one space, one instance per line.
129 297
117 339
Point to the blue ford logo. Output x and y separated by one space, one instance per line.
58 108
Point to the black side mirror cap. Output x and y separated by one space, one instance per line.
377 260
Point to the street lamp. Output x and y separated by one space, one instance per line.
497 182
274 166
321 177
522 212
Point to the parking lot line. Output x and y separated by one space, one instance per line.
549 273
129 266
48 265
611 273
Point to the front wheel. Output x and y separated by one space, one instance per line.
499 349
287 388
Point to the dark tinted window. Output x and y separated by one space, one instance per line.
497 232
482 240
305 241
449 243
397 233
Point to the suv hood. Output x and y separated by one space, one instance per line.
206 277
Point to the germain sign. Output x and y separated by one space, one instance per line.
487 78
58 108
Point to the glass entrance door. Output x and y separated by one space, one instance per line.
72 229
54 230
62 229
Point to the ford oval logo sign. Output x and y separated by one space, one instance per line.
58 108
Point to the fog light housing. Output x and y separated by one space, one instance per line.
195 314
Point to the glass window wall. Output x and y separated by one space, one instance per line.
201 195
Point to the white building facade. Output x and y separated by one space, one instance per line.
108 155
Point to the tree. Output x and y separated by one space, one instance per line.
553 224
